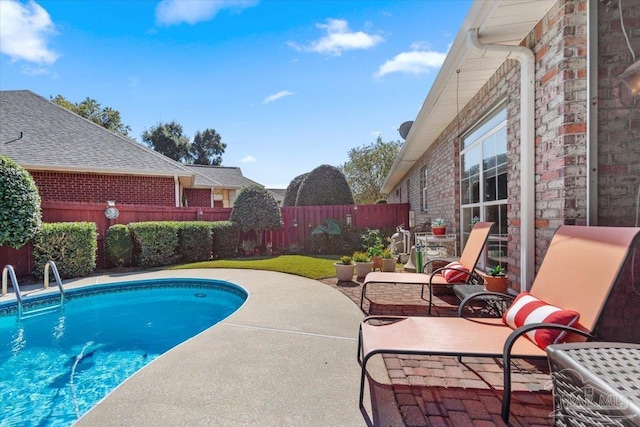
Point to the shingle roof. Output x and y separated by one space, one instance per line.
220 176
39 134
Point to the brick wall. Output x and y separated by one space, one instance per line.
618 116
198 197
85 187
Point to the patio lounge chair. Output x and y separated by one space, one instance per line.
577 273
469 258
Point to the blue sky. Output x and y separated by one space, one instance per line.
289 85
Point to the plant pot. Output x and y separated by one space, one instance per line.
439 230
344 272
388 264
377 262
363 268
496 284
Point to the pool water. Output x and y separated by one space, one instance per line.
54 367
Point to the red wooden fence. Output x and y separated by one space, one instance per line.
298 222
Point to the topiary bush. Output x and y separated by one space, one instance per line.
73 246
154 243
20 214
325 185
194 241
291 193
118 247
256 209
225 239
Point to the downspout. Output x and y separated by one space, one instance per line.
592 113
526 58
176 184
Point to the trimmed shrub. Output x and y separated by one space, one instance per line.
194 241
225 239
256 209
154 243
72 246
325 185
291 193
118 247
19 204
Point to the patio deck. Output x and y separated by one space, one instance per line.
439 391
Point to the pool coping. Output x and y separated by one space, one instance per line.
287 356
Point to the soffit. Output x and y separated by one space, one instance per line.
505 22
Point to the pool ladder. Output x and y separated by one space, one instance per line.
10 272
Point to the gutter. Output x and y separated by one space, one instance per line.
526 58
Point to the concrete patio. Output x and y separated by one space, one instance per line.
288 357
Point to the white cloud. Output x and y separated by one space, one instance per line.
339 39
173 12
24 32
414 62
277 96
248 159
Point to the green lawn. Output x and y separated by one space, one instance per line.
313 267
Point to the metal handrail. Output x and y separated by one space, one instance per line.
8 269
56 275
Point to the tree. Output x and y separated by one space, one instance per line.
256 209
168 139
368 167
325 185
19 205
90 109
207 148
291 193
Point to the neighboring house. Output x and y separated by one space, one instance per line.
529 125
75 160
215 186
278 194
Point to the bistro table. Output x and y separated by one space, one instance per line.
595 383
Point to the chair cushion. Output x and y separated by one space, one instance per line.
527 309
454 272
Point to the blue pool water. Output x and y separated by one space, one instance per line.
56 366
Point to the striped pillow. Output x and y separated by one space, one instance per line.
454 272
527 309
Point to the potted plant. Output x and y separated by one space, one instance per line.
388 261
344 269
363 264
373 242
496 280
439 227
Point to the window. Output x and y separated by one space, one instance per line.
424 190
483 183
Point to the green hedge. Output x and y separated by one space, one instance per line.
71 245
194 241
154 243
118 246
225 239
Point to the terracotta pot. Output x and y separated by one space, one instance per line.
344 272
377 262
496 284
389 264
439 230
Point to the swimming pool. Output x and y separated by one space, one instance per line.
56 366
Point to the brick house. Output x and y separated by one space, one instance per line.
529 125
74 160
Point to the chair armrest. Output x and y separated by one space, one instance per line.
382 317
517 333
493 295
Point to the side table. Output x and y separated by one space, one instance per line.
595 383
